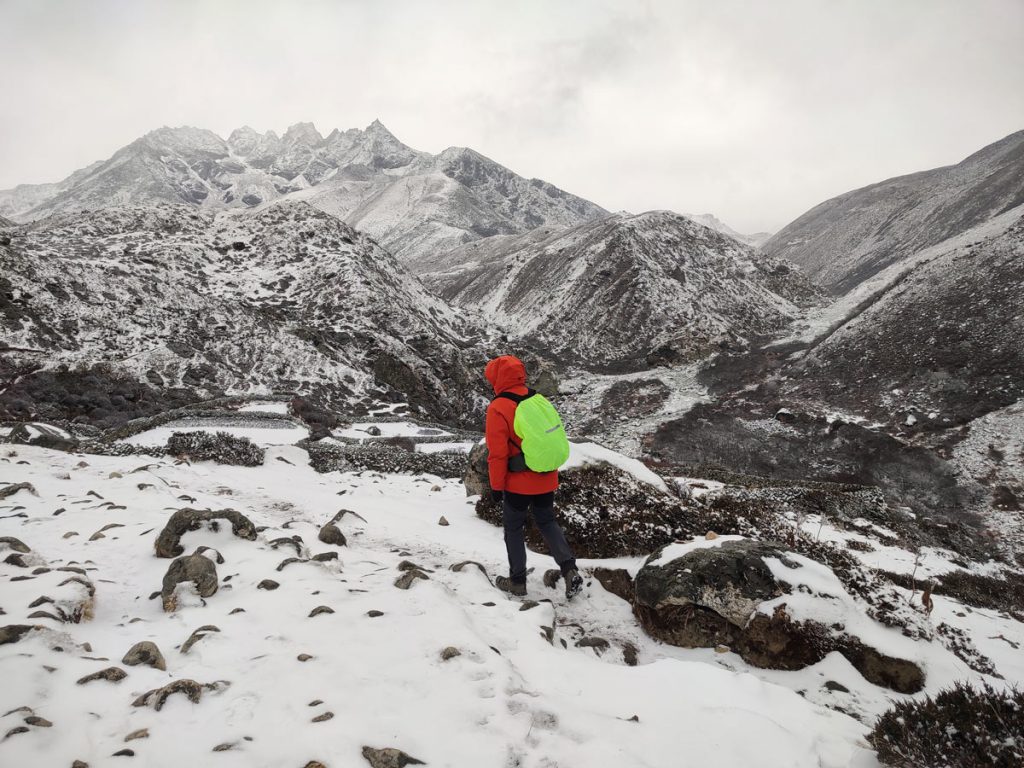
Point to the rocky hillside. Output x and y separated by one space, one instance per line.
287 298
411 202
624 291
849 238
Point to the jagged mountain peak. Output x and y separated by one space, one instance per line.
303 133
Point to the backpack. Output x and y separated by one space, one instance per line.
539 428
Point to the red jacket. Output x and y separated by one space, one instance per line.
508 374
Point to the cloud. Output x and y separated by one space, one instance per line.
753 111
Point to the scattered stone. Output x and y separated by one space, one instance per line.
528 604
184 520
325 557
16 544
200 570
17 560
599 644
225 746
450 653
268 584
196 636
315 703
629 654
142 733
69 534
15 731
295 542
374 614
288 561
435 488
551 578
443 521
320 609
323 718
832 685
406 579
710 536
111 674
233 611
38 722
79 764
304 657
12 489
722 649
459 567
389 758
124 753
97 536
191 689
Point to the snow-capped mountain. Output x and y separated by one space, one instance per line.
412 202
624 291
285 298
848 239
710 220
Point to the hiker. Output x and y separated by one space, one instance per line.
514 485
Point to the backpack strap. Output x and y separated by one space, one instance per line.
514 397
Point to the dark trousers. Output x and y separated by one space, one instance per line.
515 507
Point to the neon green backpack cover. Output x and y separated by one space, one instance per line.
539 427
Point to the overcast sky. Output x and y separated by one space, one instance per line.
754 111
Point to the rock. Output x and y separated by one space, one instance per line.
184 520
374 614
324 557
320 609
475 478
710 536
722 649
599 644
38 722
323 718
146 653
79 764
331 533
142 733
190 688
629 654
551 577
197 569
459 567
295 542
44 436
389 758
443 521
268 584
528 605
832 685
112 674
450 653
617 581
1004 498
196 636
709 597
407 579
16 544
304 657
15 731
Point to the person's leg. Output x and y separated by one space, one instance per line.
544 517
513 515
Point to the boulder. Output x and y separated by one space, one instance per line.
738 593
43 435
197 569
168 542
146 653
475 477
389 757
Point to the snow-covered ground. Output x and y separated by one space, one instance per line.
510 698
389 429
265 406
262 432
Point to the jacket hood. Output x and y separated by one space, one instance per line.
505 372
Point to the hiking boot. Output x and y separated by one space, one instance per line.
505 584
573 584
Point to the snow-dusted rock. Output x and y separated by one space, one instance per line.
775 608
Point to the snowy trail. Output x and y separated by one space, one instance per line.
510 699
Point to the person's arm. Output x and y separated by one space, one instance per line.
497 437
